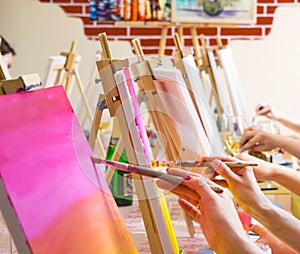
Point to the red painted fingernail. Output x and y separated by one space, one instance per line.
217 190
187 177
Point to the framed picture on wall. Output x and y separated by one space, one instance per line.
214 11
130 10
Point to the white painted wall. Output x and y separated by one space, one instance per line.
38 30
269 70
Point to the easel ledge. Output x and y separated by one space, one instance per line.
22 83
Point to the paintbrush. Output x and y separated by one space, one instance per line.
145 171
195 164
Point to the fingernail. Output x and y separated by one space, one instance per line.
187 177
217 189
215 163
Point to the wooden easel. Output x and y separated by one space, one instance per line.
9 85
163 35
153 208
161 122
69 69
190 74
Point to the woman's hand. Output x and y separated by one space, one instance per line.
257 140
213 210
264 171
266 110
243 185
277 246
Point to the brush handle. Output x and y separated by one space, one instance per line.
195 164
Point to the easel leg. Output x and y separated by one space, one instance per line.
87 107
180 33
163 41
196 45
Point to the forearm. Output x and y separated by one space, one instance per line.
290 123
280 223
237 245
289 144
286 177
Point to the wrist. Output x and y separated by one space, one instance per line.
240 244
262 209
259 206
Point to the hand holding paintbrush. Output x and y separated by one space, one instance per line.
175 179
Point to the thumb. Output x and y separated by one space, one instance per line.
224 171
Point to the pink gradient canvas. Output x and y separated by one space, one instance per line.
60 199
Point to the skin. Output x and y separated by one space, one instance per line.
248 195
277 246
243 186
266 171
268 111
216 214
258 141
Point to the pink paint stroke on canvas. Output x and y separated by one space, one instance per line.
61 200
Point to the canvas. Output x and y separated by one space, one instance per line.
53 197
217 12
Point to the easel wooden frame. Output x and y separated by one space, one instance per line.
71 71
163 35
143 70
9 85
156 219
204 111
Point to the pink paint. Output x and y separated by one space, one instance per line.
61 200
138 119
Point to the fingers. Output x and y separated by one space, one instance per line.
247 136
263 109
224 171
190 209
180 190
222 183
252 140
205 188
258 229
178 172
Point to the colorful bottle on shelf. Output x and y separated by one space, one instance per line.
121 184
